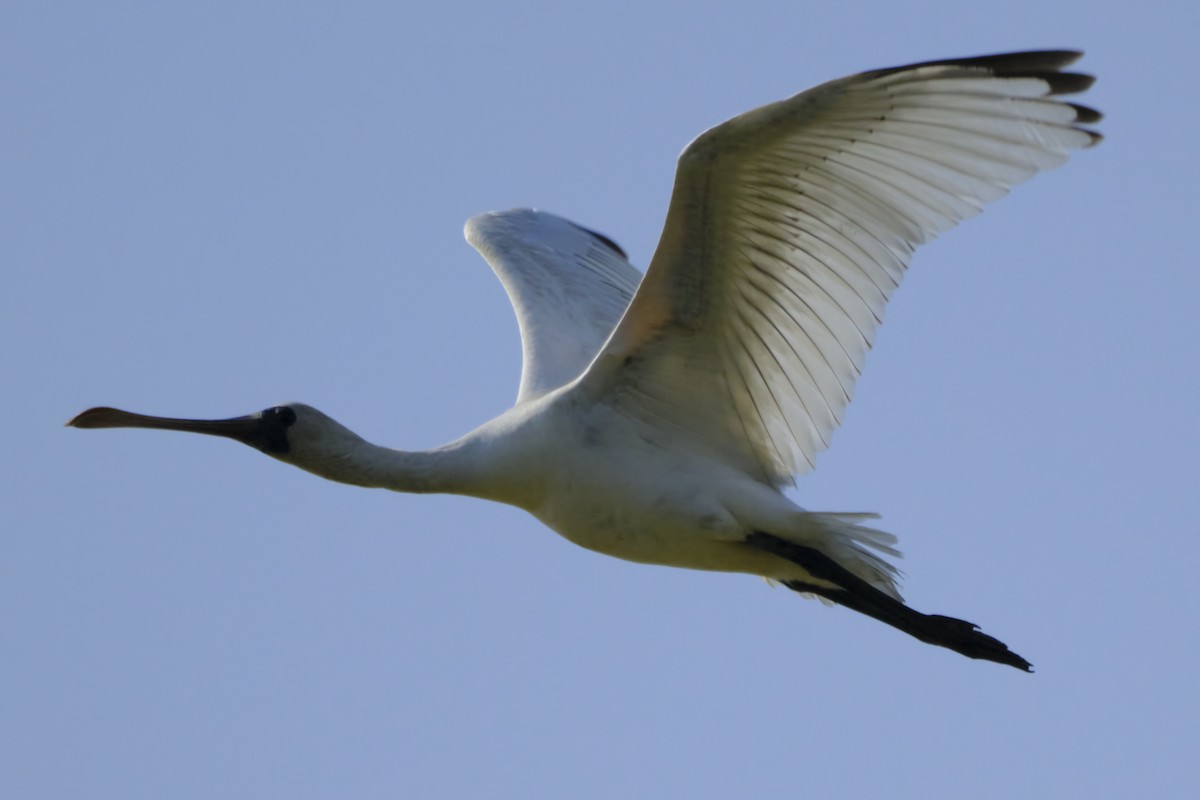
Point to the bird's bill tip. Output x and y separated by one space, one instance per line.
100 417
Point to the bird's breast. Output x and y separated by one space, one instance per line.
616 488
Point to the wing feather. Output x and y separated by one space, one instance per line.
789 228
568 287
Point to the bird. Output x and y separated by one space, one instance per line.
663 417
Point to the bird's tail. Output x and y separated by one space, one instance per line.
861 549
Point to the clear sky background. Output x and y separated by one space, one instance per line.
211 208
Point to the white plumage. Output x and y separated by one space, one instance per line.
568 288
659 418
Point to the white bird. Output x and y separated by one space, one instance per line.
660 420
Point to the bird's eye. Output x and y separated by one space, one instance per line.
281 414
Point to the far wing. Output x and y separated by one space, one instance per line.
568 286
791 225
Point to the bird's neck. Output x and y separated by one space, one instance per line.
449 469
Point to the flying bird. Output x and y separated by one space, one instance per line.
660 418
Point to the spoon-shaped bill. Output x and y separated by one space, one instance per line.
255 430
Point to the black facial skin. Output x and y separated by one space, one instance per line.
272 430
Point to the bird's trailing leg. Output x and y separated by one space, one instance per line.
856 594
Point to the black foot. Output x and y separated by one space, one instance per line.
856 594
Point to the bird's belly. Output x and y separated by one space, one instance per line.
612 487
667 526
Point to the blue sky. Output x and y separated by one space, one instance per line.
212 208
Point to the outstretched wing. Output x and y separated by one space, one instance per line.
791 225
568 286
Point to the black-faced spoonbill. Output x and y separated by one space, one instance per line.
660 418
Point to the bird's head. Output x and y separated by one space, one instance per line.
293 433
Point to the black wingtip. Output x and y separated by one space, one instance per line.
1066 82
1045 65
604 240
1015 64
1086 114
